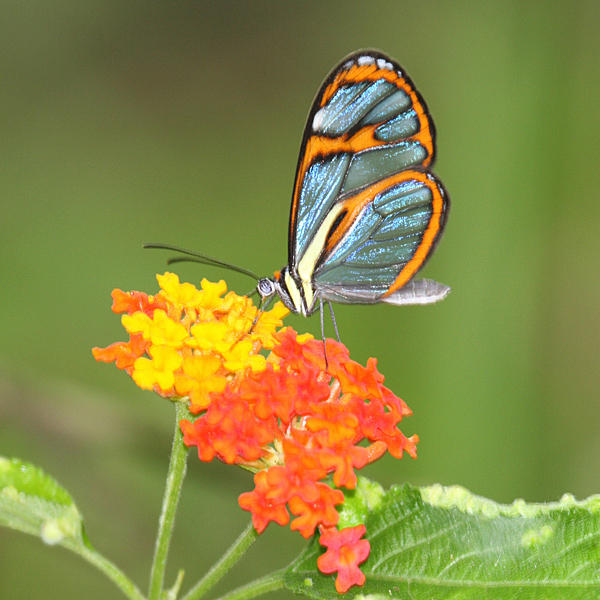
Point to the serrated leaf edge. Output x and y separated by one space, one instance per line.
456 496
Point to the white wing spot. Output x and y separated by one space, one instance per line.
384 64
365 60
318 119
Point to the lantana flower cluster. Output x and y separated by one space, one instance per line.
188 343
302 418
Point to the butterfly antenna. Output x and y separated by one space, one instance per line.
203 259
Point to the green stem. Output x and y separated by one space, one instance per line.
166 521
111 571
262 585
220 568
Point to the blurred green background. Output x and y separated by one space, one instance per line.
128 122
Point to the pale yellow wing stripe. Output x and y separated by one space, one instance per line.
306 266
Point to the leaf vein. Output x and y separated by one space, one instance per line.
422 541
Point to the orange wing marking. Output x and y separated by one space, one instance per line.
364 138
358 74
429 236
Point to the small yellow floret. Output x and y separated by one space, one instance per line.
210 297
166 332
138 322
241 356
159 370
211 336
182 295
200 377
267 324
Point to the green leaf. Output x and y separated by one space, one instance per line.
446 543
33 502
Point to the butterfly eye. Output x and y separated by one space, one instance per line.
265 287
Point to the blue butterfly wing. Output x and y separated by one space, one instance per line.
368 130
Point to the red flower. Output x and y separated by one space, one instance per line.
230 430
345 551
130 302
320 511
123 354
267 501
359 380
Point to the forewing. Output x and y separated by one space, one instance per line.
366 123
381 236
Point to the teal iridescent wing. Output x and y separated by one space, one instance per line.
366 213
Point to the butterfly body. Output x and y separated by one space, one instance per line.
366 210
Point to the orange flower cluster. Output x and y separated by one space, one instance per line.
187 343
292 417
294 424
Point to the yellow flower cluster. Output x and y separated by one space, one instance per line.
194 340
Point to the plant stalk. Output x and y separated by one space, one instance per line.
258 587
224 564
111 571
175 476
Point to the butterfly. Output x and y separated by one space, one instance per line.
367 212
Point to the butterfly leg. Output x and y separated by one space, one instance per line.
337 333
323 333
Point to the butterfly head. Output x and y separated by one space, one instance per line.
265 288
279 285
